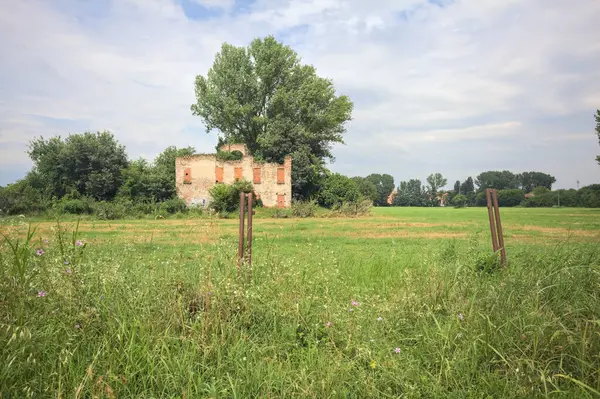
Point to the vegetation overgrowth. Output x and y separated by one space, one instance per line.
406 302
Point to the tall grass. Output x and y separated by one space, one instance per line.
142 320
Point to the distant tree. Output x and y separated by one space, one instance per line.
436 181
385 186
165 161
467 188
597 118
89 163
460 201
410 193
510 197
338 189
262 96
527 181
500 180
457 187
367 188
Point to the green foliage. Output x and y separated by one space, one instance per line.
510 197
262 96
500 180
304 209
411 193
26 196
457 187
225 198
436 181
367 188
384 184
356 208
460 201
528 181
90 163
75 206
234 155
337 189
173 205
112 210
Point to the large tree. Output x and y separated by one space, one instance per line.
410 193
527 181
367 188
385 186
597 118
262 96
89 164
457 187
500 180
436 181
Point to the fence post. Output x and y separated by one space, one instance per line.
488 196
241 236
249 233
499 227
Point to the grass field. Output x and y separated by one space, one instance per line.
390 305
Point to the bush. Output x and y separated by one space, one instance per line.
173 206
353 208
234 155
226 197
460 201
111 210
304 209
338 189
84 205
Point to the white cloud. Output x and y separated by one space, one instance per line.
424 78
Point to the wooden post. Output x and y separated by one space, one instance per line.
488 196
241 236
499 227
249 233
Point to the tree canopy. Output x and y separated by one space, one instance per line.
88 163
528 181
436 181
262 96
384 184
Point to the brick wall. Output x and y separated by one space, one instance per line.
201 170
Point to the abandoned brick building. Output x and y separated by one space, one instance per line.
197 174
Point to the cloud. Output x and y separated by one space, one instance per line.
451 86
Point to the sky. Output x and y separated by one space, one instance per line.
451 86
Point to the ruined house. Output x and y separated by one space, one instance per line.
196 174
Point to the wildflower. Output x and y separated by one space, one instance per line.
350 310
79 243
77 325
68 271
354 303
397 350
373 364
380 318
45 241
42 293
40 252
461 316
66 262
328 324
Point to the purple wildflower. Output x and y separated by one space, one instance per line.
45 241
328 324
354 303
40 252
397 350
42 293
68 271
79 243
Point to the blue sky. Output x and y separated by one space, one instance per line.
456 87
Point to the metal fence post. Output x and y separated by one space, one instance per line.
241 237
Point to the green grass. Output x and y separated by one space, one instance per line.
155 308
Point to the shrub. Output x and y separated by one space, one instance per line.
234 155
510 197
84 205
338 189
460 201
304 209
226 197
173 205
361 207
111 210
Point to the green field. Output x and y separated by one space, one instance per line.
390 305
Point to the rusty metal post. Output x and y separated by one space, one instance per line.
249 233
241 237
499 227
488 196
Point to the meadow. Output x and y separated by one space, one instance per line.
406 302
